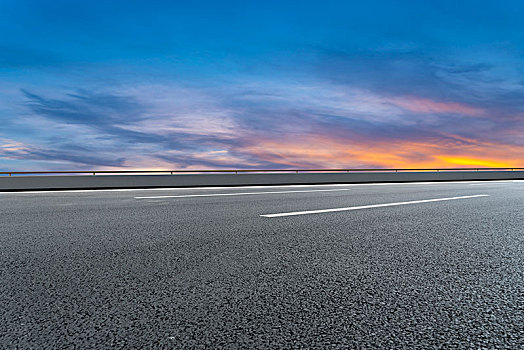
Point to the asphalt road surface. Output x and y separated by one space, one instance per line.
437 265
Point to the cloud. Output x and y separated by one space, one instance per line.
280 124
83 107
324 151
488 81
113 129
14 150
427 106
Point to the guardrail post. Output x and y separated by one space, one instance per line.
9 174
93 173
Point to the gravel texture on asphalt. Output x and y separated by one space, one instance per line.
103 270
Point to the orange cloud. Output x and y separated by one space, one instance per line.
423 105
7 145
325 152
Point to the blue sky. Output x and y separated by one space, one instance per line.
260 84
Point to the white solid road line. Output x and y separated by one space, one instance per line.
170 189
47 192
238 194
368 206
491 183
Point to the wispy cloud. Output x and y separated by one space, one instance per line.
427 106
14 150
274 125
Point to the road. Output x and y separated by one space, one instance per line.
435 265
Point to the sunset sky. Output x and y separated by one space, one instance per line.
260 84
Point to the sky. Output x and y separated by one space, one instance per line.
260 84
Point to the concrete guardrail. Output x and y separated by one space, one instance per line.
64 182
